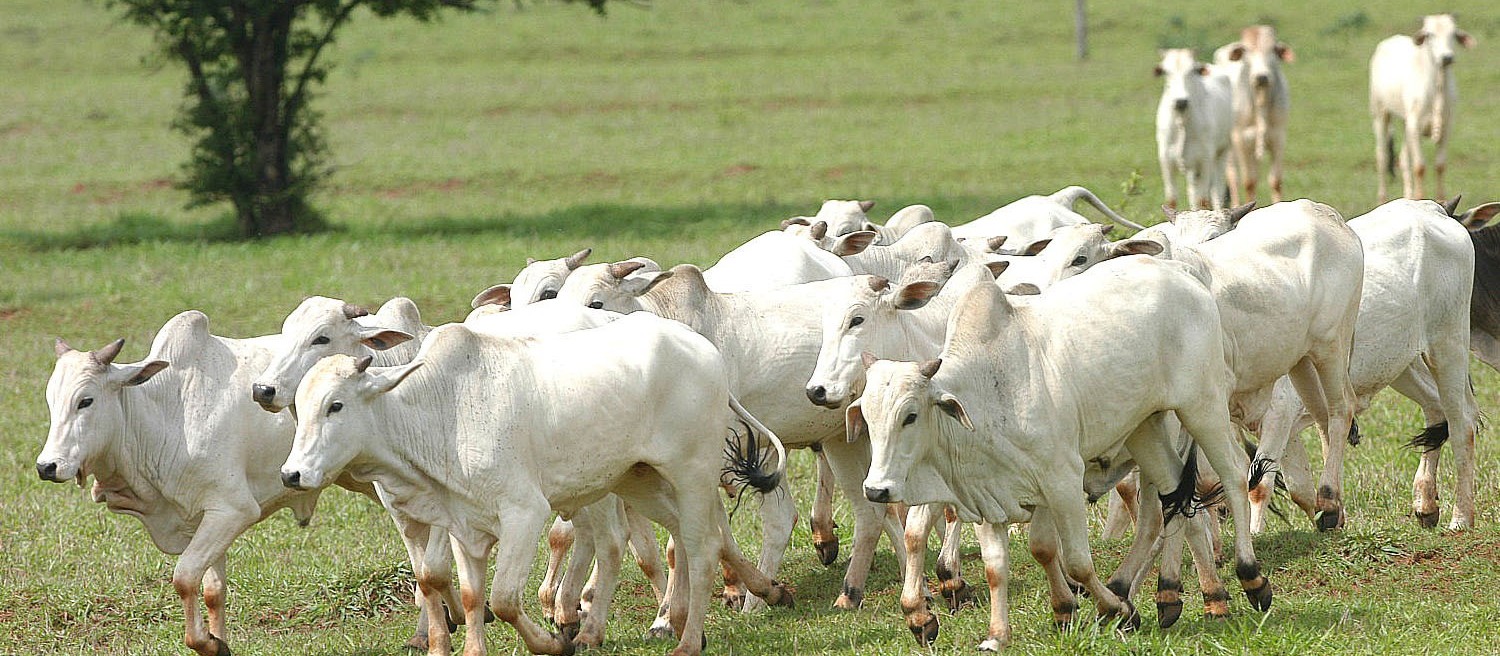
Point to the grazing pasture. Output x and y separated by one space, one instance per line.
675 132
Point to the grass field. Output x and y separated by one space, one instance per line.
677 131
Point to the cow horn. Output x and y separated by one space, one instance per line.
576 260
352 311
819 230
621 269
796 220
994 243
1451 207
1170 211
1239 212
61 347
929 368
108 352
879 283
363 363
866 205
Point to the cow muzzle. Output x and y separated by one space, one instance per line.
265 396
293 480
1180 105
1262 80
1446 60
818 394
47 471
878 494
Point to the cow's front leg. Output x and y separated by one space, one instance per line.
215 533
994 546
920 619
825 537
851 463
1069 514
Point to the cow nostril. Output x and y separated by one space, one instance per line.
877 494
817 394
47 472
1262 80
292 479
262 393
1180 104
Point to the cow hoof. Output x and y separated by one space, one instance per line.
1428 520
1260 598
959 597
567 645
1129 619
568 631
992 645
1078 588
734 600
926 632
781 596
1329 520
215 647
661 632
1168 613
828 552
417 644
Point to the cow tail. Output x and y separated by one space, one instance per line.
1186 500
745 461
1068 196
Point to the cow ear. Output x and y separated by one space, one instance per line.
1285 52
1236 52
1158 71
853 243
1203 70
379 380
1036 247
949 405
1419 38
497 295
854 422
1134 247
1024 289
381 339
641 283
1466 39
915 295
997 268
576 260
1477 217
130 375
866 205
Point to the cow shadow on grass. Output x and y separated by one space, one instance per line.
580 221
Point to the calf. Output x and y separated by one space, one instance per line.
480 435
1411 79
1193 123
1262 103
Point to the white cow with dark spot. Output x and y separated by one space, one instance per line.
1411 79
480 435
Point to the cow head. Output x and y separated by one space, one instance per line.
1071 250
1261 54
1181 74
84 401
321 327
902 413
1198 226
541 279
335 417
845 216
1440 37
616 287
861 316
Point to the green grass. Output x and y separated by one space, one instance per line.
677 131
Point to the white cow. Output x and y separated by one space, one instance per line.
770 343
538 281
1031 218
1412 334
1411 79
175 441
320 327
1193 122
480 434
827 238
775 259
1262 103
1029 395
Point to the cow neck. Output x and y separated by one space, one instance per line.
134 470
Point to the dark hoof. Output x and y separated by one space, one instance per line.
417 644
489 615
1167 614
1260 598
1428 520
734 600
1129 619
781 596
926 633
220 648
448 617
1078 588
568 648
661 633
567 632
1329 520
828 552
959 597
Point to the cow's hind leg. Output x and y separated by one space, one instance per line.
560 540
1069 518
825 537
1209 425
949 567
513 557
778 514
1042 542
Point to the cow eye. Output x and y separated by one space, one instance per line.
548 294
320 340
910 419
856 321
1080 260
335 407
597 305
85 402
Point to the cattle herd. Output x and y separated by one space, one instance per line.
1006 371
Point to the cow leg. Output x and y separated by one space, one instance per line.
1199 533
920 619
560 539
1297 474
647 552
214 598
850 463
1151 446
569 600
1413 168
1197 200
513 557
432 560
661 627
1069 518
778 516
1275 148
1383 149
1281 424
756 581
1168 183
1485 347
1042 542
1329 503
700 528
950 572
1449 363
994 546
1209 425
609 550
825 539
1440 162
414 538
207 548
471 568
1122 507
1417 384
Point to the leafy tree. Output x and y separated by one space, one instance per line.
252 66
